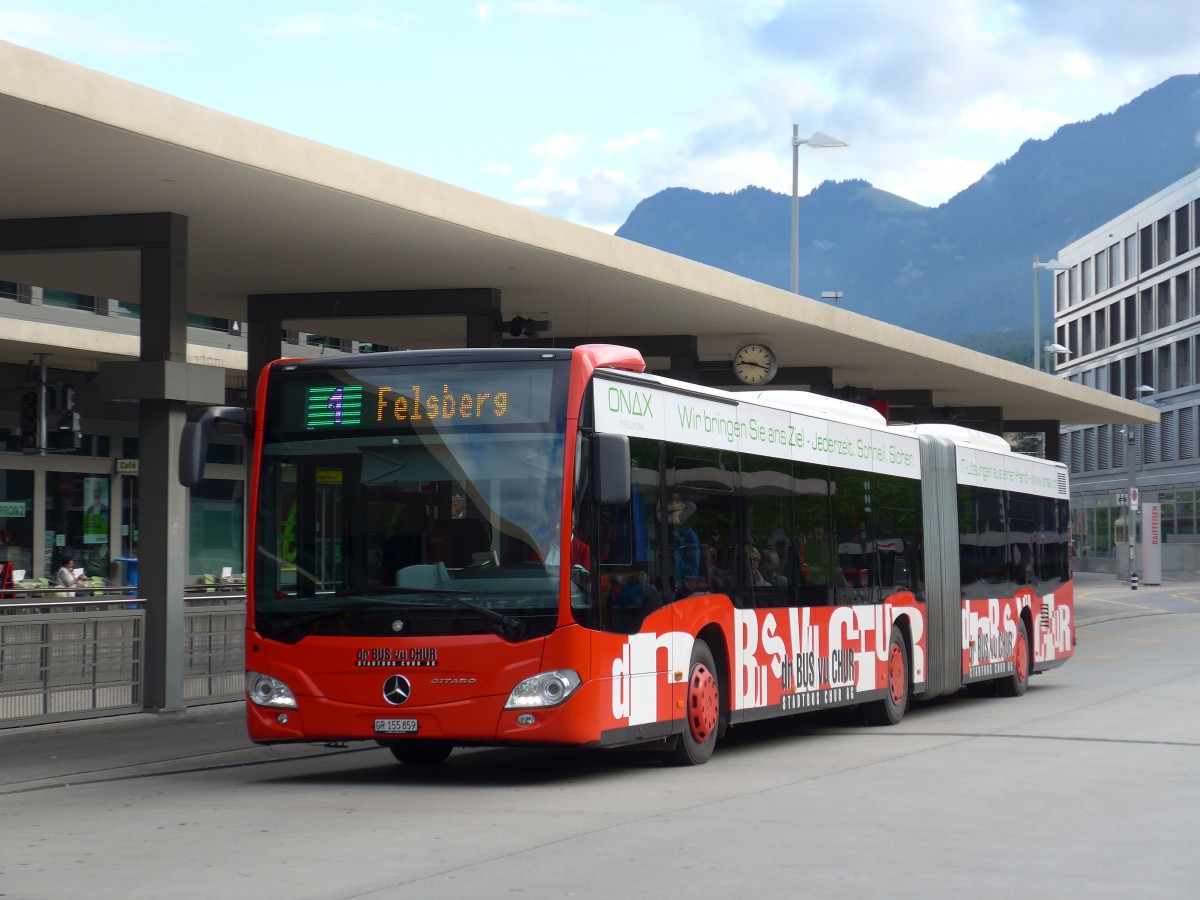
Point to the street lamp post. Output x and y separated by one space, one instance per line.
1055 350
1136 450
1055 266
817 140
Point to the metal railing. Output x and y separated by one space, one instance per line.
65 658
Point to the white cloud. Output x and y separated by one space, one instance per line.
504 170
303 26
558 147
632 141
49 30
1006 114
932 182
483 11
548 181
549 9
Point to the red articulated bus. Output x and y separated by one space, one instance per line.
550 546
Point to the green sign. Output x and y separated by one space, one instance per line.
334 406
12 510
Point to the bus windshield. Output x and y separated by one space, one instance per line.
414 500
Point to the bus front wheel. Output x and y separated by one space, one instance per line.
420 753
703 705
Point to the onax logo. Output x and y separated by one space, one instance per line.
630 402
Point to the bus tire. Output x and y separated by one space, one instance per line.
703 705
1017 683
420 753
891 709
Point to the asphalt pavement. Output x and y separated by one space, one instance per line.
210 737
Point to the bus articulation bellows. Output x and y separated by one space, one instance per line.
550 546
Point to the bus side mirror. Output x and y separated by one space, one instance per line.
611 468
193 442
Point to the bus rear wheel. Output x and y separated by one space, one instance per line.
420 753
1017 683
703 704
891 709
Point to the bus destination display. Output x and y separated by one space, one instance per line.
401 401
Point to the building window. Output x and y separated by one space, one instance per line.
1086 276
1146 263
1183 363
1102 271
1187 433
77 522
1170 438
1164 370
1114 265
1183 298
1114 323
1101 332
1185 513
1183 230
1086 336
1163 290
1164 241
1147 370
1147 303
16 522
1149 444
68 300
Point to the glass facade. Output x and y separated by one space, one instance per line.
16 522
77 522
1140 339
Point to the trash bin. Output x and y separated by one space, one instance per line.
127 571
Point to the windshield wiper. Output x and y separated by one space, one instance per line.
512 627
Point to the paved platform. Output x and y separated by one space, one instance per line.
208 737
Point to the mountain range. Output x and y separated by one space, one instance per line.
962 271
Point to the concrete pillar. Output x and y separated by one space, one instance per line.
162 544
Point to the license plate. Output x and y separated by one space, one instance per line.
396 726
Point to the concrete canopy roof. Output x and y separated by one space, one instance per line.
271 213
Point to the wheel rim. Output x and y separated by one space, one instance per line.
896 679
703 703
1022 657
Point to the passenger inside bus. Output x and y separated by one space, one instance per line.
402 545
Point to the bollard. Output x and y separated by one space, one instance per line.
1133 581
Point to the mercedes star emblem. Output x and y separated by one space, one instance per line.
396 690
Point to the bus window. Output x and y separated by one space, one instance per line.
898 539
630 584
1022 525
703 480
768 488
854 534
815 567
993 536
969 561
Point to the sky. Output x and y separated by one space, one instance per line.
582 108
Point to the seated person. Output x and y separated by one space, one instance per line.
768 569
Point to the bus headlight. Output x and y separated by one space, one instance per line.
263 690
546 689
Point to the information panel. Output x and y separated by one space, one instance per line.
413 398
646 411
